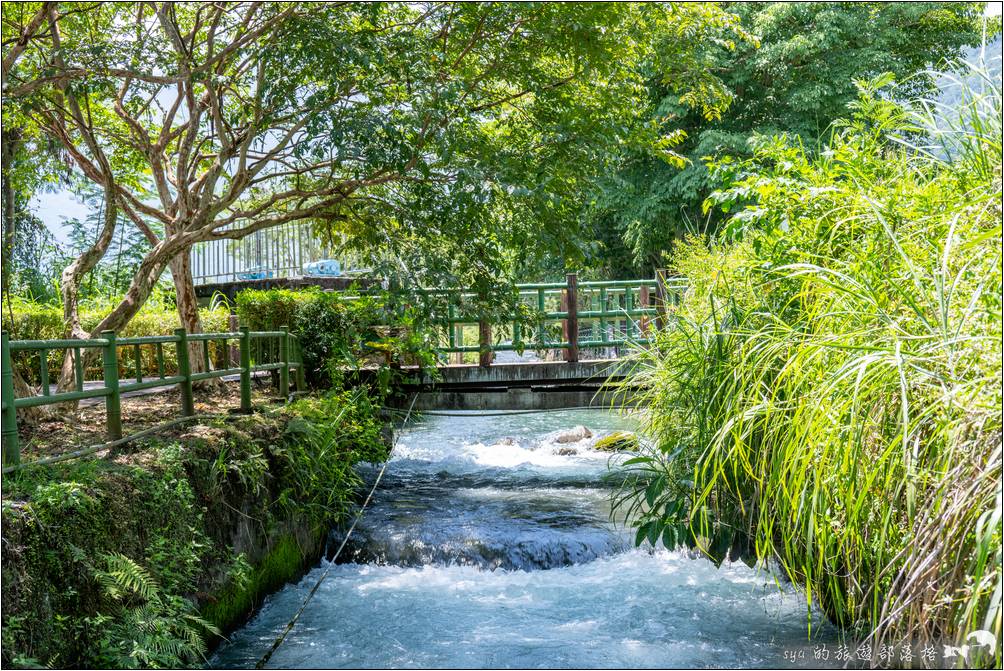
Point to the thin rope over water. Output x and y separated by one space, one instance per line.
289 626
478 413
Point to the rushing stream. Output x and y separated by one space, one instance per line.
488 544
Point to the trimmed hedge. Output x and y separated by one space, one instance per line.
27 320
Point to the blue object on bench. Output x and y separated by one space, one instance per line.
323 268
259 273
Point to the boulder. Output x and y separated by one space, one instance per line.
566 451
573 435
618 441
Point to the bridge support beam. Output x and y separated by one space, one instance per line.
521 386
522 399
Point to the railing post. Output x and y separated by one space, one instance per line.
113 406
43 370
138 362
301 374
485 354
284 357
78 366
564 322
628 309
207 365
458 357
644 299
185 371
245 358
661 304
222 354
11 447
454 332
160 360
233 325
572 322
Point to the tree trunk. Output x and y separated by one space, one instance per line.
150 269
165 253
11 139
69 287
188 306
26 416
74 273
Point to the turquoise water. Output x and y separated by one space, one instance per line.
490 544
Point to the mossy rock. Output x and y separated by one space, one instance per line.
619 441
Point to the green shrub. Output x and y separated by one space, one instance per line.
829 395
337 333
27 320
263 310
326 437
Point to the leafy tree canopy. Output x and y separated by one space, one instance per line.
455 138
797 81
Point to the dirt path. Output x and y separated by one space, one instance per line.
140 410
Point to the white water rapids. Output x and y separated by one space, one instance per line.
488 544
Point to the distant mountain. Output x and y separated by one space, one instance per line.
963 93
988 59
991 54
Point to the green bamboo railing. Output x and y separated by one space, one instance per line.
616 313
258 351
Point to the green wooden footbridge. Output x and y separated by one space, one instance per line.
579 318
575 329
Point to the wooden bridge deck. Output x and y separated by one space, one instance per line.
521 386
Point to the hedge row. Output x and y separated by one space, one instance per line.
26 320
335 333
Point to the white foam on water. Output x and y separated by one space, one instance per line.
469 443
500 480
637 608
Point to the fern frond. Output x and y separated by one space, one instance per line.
123 575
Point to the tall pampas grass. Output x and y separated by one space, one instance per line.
828 394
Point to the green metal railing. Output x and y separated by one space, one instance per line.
569 316
254 351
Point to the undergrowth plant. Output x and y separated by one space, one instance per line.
146 627
828 396
324 439
140 560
